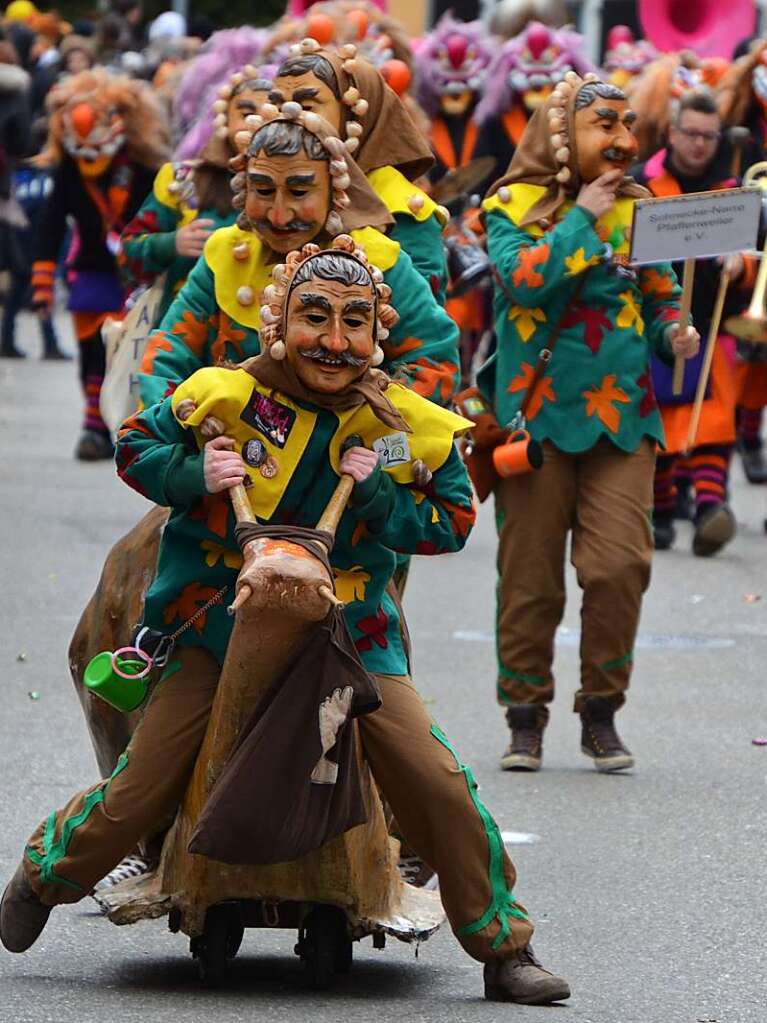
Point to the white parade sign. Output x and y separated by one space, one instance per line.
695 226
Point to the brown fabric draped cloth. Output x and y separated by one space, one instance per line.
369 388
534 163
292 784
389 137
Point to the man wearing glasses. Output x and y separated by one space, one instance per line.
698 158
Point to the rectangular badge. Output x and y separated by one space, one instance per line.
393 449
269 417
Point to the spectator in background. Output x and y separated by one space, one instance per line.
76 54
18 189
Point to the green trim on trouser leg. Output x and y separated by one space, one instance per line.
505 698
54 852
619 662
502 904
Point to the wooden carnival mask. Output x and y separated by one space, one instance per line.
325 313
604 135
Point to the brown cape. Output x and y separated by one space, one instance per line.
285 792
389 137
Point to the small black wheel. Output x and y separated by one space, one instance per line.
344 954
324 946
219 942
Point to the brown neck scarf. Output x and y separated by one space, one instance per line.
389 137
534 163
368 389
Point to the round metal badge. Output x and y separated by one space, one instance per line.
254 453
270 468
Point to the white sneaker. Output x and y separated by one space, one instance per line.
131 867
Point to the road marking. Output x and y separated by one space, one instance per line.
645 641
519 838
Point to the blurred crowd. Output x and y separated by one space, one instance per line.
470 89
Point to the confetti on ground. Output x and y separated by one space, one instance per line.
752 598
21 657
759 742
519 838
33 695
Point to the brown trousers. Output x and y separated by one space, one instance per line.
433 796
604 497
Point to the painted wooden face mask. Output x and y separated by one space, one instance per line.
326 312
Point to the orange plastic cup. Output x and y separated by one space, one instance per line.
518 455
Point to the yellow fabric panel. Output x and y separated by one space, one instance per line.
162 193
433 431
523 197
229 273
394 190
225 393
382 252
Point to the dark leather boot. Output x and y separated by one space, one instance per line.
8 350
525 752
93 446
663 531
714 528
22 915
599 739
754 464
522 979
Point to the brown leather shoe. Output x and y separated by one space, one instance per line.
525 752
599 739
521 978
22 915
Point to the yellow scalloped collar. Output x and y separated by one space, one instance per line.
395 192
230 274
224 393
165 177
524 196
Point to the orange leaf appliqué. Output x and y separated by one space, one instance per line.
189 602
599 401
543 389
192 332
529 258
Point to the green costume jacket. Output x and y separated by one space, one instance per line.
198 553
598 382
212 319
148 243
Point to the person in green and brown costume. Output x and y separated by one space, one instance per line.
190 198
558 229
350 93
306 410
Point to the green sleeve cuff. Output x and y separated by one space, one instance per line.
184 477
161 248
373 499
589 216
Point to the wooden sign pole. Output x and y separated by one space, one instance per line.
713 334
684 319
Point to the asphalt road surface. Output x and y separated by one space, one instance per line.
648 889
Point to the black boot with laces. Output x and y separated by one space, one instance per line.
599 739
525 752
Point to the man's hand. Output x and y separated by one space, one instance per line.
222 466
684 343
190 240
733 264
599 195
359 463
